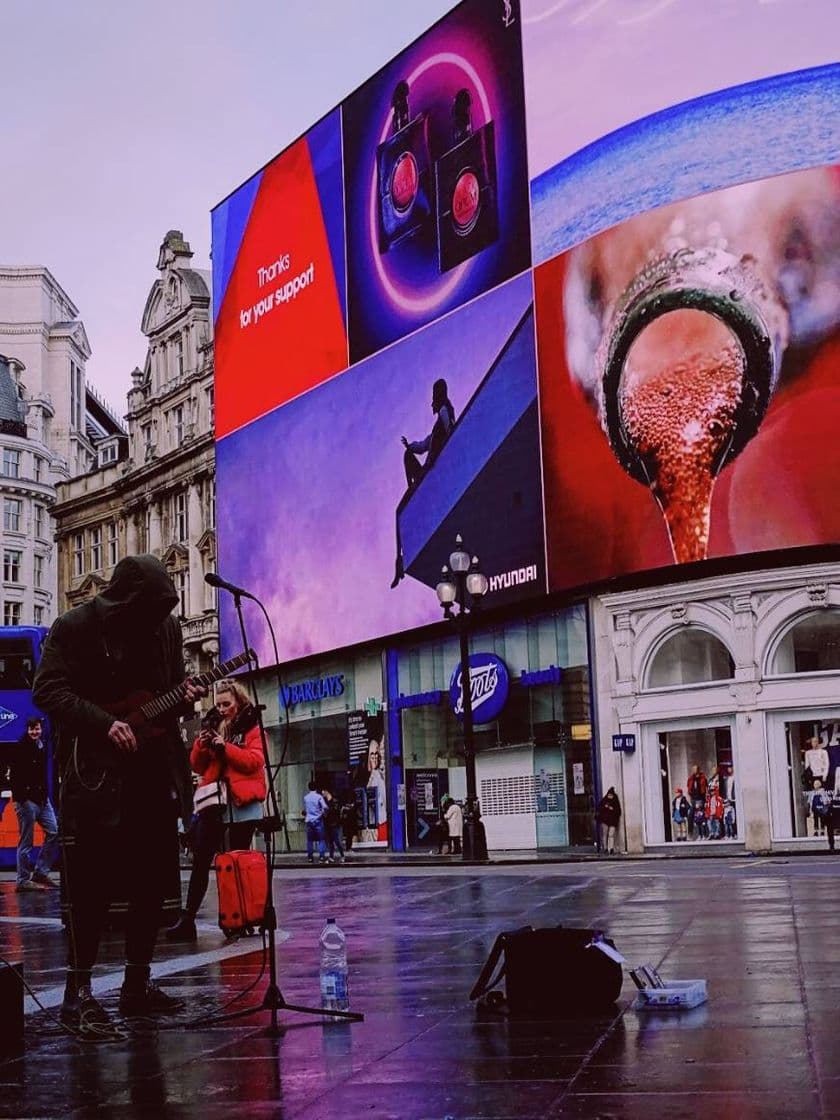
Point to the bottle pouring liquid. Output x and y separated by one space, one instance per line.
679 323
688 366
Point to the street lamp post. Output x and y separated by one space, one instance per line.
463 584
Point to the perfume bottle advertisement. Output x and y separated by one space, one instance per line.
730 92
334 464
436 183
689 388
279 280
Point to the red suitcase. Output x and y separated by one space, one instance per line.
241 880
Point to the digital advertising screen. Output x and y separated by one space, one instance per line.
562 277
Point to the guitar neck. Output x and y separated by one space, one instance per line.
167 701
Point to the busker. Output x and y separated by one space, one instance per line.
121 793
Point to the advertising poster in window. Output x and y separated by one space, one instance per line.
366 759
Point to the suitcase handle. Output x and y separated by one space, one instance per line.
483 984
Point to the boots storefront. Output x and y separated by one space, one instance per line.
718 704
534 759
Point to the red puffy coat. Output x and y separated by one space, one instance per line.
714 806
243 766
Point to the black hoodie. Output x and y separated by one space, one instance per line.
124 640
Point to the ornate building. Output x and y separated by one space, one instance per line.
160 499
52 426
27 494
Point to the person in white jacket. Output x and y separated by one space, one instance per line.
454 817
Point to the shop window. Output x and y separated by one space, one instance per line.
699 792
691 656
432 737
812 645
813 776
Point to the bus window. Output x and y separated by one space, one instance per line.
17 662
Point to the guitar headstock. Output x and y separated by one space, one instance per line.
245 658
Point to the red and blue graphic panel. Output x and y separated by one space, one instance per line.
279 288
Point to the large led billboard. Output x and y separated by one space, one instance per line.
563 278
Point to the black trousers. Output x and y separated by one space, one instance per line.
209 837
131 861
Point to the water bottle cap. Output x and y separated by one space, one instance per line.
330 921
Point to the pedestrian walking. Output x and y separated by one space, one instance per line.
608 816
314 811
332 826
453 816
28 780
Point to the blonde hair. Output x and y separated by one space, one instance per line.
240 696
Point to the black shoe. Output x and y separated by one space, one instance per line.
148 1000
44 879
88 1019
183 930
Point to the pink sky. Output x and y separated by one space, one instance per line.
122 121
592 66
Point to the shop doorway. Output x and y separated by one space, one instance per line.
550 797
425 790
692 793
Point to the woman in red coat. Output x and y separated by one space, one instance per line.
232 755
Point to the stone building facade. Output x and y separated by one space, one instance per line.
53 426
27 494
738 676
160 498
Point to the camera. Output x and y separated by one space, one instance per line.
211 720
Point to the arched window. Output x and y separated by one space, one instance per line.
812 645
690 656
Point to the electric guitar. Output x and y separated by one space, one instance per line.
141 710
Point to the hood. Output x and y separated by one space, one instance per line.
140 590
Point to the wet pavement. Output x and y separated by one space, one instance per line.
762 931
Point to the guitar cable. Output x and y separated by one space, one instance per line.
88 1034
136 1025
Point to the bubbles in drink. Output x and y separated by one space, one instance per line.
680 418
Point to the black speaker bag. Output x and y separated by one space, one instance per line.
554 970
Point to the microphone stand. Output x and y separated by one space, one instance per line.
273 1000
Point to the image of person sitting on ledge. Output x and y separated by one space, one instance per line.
431 447
433 443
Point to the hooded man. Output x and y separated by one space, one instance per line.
121 793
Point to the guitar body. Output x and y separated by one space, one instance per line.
129 711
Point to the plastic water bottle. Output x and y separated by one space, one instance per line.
335 995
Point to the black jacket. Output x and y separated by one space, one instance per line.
125 640
28 770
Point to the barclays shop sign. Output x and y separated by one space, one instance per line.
489 687
311 691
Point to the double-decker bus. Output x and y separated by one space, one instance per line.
20 652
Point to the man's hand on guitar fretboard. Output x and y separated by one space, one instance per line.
193 691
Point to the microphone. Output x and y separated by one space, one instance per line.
216 581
